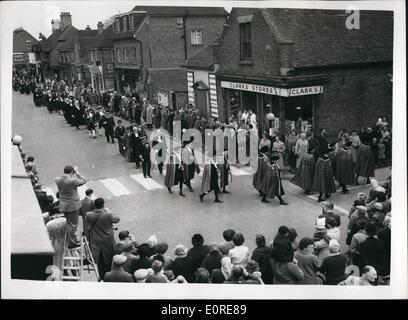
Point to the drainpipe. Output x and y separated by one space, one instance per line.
185 37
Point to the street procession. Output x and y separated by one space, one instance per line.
199 156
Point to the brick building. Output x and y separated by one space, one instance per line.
149 40
23 57
306 68
100 59
201 80
46 50
73 55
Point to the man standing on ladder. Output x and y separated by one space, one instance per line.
70 201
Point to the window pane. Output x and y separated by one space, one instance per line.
245 41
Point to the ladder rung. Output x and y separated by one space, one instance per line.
71 278
71 268
72 258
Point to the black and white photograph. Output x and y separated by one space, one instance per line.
188 149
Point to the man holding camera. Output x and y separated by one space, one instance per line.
69 200
101 237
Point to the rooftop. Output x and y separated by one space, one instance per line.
320 37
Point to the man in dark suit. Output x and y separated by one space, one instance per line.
87 205
372 250
101 236
110 129
120 132
69 200
145 158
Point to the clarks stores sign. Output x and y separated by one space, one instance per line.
283 92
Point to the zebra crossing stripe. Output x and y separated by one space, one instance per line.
115 187
147 183
239 172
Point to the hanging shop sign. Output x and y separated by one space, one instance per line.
109 68
283 92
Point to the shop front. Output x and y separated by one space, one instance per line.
292 107
127 80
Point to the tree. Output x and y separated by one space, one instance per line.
108 22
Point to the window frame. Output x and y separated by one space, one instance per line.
245 41
194 36
179 22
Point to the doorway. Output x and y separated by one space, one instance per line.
201 101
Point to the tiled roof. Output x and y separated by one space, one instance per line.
181 11
172 79
320 37
102 40
205 58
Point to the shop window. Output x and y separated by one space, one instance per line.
196 37
180 21
245 41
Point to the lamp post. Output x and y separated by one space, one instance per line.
17 140
270 117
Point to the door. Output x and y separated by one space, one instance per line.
201 101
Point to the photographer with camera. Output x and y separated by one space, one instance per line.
69 200
101 236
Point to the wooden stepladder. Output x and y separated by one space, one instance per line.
76 260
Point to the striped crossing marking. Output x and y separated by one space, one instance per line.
134 184
115 187
240 171
147 183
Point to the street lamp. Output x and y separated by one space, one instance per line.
17 140
270 117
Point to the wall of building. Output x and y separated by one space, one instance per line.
265 50
211 28
355 97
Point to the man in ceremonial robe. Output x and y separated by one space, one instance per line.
210 181
323 180
304 174
345 168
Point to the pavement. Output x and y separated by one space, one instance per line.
144 205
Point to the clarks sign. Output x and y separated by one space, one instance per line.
283 92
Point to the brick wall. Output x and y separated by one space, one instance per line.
265 51
211 28
354 97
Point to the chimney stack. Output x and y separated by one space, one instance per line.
100 27
42 37
55 25
88 27
65 19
